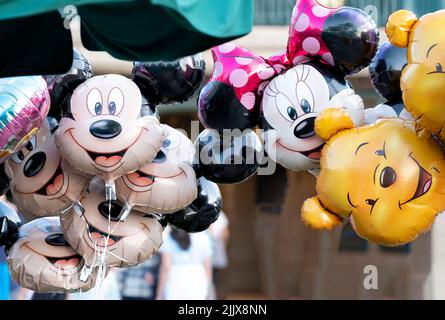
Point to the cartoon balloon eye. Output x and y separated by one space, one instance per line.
171 141
56 239
305 97
115 101
439 68
286 108
18 157
292 113
30 145
94 102
387 177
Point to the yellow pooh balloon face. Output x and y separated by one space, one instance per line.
387 177
423 79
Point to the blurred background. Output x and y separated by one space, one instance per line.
271 255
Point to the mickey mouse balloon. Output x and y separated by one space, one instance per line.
39 257
104 132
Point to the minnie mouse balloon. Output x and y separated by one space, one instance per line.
104 132
202 212
24 103
166 185
102 238
229 158
39 257
42 184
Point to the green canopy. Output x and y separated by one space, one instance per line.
145 30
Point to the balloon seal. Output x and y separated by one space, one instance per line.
85 273
125 212
110 191
78 208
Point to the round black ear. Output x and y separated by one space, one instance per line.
62 86
4 180
9 225
385 71
228 158
165 82
352 37
202 212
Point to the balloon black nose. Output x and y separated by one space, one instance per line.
34 164
160 157
110 210
56 239
305 129
105 129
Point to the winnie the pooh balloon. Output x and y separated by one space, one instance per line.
42 184
39 257
102 238
105 132
167 184
388 178
423 79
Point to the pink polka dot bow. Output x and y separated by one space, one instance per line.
249 73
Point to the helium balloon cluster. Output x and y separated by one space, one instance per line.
284 94
387 177
97 185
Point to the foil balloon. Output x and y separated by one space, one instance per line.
291 103
62 86
39 257
24 104
343 39
104 132
202 212
229 158
167 184
102 238
386 177
167 82
422 81
42 184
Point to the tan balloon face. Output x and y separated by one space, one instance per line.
42 260
41 183
99 233
105 134
166 185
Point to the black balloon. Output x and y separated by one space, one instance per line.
62 86
385 71
352 37
202 212
219 108
166 82
9 225
228 158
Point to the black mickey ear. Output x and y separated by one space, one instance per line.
352 37
4 180
62 86
386 70
165 82
202 212
9 225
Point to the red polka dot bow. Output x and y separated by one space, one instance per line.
249 73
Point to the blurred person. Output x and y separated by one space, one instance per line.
186 266
139 282
219 232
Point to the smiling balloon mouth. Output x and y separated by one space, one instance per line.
102 239
314 154
54 184
424 183
141 179
107 159
66 263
